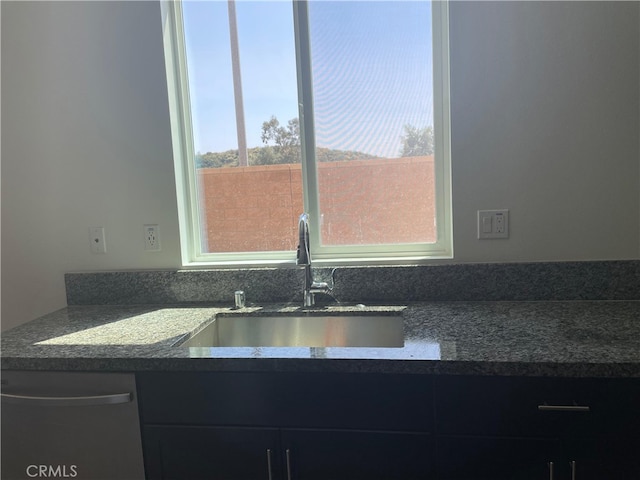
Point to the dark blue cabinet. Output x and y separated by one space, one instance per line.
287 426
537 428
337 426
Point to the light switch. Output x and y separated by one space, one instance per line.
486 224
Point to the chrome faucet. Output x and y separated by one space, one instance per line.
311 287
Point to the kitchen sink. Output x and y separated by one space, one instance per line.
300 331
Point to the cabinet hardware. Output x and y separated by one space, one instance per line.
550 464
564 408
288 453
573 469
269 463
80 401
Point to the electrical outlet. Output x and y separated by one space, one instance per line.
96 240
152 238
493 224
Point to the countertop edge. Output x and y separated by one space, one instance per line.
371 366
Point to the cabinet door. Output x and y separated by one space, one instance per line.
212 453
492 458
348 455
496 427
602 458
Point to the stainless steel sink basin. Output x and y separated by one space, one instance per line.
301 331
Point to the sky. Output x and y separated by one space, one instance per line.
371 65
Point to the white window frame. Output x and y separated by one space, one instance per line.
185 171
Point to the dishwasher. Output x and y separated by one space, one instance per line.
70 425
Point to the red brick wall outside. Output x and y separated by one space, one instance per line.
362 202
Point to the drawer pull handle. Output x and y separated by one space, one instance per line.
81 401
550 470
288 452
269 463
573 469
564 408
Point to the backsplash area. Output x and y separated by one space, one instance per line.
590 280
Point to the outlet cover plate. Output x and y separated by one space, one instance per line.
493 224
152 238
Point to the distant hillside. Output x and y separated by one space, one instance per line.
271 155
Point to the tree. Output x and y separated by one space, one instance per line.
281 136
266 155
417 141
285 140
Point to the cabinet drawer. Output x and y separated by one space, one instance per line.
311 400
536 406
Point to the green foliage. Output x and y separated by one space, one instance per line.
281 136
331 155
417 141
272 155
217 159
286 140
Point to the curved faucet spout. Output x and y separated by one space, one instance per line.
311 287
304 256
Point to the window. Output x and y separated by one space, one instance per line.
336 108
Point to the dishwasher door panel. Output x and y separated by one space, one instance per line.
70 425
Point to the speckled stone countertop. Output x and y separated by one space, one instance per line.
546 338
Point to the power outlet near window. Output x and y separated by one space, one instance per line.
152 238
493 224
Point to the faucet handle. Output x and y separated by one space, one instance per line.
325 287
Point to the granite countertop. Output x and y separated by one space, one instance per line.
547 338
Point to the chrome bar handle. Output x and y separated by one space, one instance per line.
288 453
269 464
80 401
550 464
564 408
572 463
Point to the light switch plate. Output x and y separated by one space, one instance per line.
493 224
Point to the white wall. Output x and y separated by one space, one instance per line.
545 122
85 142
545 118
